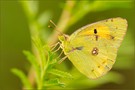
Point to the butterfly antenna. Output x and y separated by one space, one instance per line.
55 27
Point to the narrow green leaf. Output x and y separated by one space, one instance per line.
60 73
53 82
51 56
23 78
47 48
37 42
51 64
32 59
39 45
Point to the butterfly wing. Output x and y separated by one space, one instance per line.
93 48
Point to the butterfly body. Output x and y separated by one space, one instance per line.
93 48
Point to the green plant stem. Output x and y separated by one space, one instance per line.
43 72
63 22
33 33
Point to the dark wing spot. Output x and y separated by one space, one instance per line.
95 51
96 37
92 70
99 66
79 48
103 62
76 48
95 31
111 37
107 67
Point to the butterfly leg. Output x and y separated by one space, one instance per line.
62 59
60 54
76 48
54 46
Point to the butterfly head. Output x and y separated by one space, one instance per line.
63 37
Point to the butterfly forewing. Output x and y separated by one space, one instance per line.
99 43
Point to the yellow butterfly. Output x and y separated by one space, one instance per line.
93 48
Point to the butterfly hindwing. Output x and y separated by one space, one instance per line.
96 46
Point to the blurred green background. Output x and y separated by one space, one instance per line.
15 37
